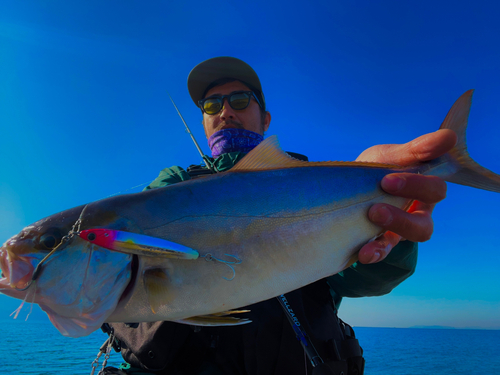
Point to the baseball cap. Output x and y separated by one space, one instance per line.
208 71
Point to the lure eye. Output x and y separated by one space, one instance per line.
49 240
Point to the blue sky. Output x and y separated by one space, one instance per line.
84 112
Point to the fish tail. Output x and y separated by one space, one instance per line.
465 170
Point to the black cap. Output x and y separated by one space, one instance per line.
211 70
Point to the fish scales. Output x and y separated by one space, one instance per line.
270 225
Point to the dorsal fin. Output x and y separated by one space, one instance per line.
269 155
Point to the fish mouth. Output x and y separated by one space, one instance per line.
7 289
14 276
4 269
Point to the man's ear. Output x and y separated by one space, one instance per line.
267 121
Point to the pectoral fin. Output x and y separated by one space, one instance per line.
133 243
156 284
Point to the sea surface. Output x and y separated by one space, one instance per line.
36 347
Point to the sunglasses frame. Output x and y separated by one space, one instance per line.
222 97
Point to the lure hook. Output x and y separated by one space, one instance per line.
209 257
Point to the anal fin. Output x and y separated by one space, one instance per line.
213 321
218 319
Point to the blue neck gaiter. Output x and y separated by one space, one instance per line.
231 140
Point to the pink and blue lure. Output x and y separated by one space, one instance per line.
133 243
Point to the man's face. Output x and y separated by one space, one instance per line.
228 118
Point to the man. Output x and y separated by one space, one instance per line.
229 93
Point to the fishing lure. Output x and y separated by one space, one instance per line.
133 243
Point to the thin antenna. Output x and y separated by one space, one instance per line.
203 156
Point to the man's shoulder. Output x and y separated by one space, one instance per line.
175 174
169 176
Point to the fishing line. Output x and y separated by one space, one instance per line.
38 269
64 242
210 166
18 310
31 292
205 159
133 187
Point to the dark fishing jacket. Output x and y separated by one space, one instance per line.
268 345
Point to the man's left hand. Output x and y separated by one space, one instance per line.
415 224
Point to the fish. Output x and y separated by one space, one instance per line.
196 251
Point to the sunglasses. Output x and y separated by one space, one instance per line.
237 100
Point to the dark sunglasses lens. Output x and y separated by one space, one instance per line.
212 106
240 100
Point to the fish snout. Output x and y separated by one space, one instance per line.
4 269
16 269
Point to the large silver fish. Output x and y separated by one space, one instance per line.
270 225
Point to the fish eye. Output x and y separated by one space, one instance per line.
49 240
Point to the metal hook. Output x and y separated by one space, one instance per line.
209 257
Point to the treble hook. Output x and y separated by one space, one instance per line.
209 257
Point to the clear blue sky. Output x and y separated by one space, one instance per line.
84 112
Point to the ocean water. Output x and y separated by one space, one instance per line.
412 351
36 347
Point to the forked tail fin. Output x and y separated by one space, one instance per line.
468 172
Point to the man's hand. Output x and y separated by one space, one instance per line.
416 224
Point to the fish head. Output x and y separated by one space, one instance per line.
78 285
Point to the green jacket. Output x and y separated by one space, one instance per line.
359 280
